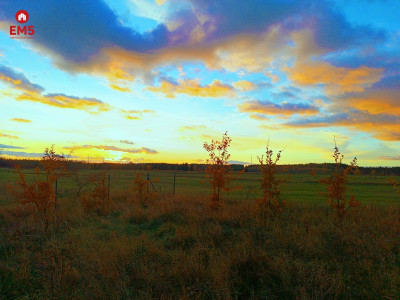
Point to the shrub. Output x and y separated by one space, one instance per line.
41 192
98 199
218 170
141 192
270 184
337 185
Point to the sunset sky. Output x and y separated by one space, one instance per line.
152 80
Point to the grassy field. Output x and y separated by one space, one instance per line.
369 189
177 247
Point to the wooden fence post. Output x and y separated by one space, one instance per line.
174 184
56 194
108 192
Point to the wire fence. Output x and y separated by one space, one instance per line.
374 189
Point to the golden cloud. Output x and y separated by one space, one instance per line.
9 136
113 148
375 101
123 89
192 127
193 88
336 79
21 120
244 85
34 92
135 114
90 105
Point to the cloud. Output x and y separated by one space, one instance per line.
18 80
192 127
113 148
335 79
8 136
237 162
91 105
381 126
21 120
123 89
35 93
389 157
222 34
261 109
244 85
128 142
192 87
94 27
10 147
22 154
259 117
374 101
136 114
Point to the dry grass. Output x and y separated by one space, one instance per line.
181 248
141 246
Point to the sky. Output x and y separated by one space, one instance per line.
152 80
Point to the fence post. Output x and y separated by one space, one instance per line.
148 181
174 184
56 194
108 192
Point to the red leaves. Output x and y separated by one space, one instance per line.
41 191
218 168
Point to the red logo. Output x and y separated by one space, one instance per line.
22 32
22 16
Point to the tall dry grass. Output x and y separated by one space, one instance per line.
182 248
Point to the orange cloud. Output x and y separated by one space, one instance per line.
244 85
389 157
136 114
123 89
91 105
33 92
9 136
375 101
113 148
192 127
259 117
21 120
335 79
193 88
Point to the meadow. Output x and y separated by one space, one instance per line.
165 246
298 188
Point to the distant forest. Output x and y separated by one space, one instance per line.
291 169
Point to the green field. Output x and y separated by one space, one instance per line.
166 247
369 189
